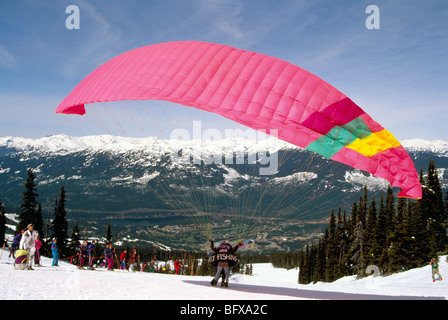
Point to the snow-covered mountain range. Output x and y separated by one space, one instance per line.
107 162
109 176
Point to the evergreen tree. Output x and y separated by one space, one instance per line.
39 223
418 234
395 236
362 208
319 272
433 206
332 251
446 202
59 225
389 211
29 203
371 245
2 225
75 240
358 256
381 236
342 236
398 242
109 234
304 267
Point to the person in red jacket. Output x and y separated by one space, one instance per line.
177 265
123 260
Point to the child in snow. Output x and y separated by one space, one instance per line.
38 245
55 253
435 269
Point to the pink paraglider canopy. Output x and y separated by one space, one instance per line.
256 90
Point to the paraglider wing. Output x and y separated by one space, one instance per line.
258 91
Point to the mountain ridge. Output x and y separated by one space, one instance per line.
61 142
148 186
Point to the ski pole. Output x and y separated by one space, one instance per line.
2 252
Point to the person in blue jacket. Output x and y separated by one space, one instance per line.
109 254
91 250
82 254
55 252
15 243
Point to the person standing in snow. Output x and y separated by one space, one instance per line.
435 269
133 260
177 265
28 243
223 264
16 243
82 254
109 253
91 250
123 260
55 253
38 245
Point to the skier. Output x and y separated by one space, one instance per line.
28 243
55 253
435 269
223 264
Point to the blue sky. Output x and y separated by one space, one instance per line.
398 74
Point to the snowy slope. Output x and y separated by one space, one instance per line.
68 283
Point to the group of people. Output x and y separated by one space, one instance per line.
86 257
29 241
133 260
85 254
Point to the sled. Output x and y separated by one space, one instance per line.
21 259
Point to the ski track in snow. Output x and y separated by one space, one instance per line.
66 282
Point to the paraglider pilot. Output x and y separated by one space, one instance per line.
224 251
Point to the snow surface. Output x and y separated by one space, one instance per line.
66 282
